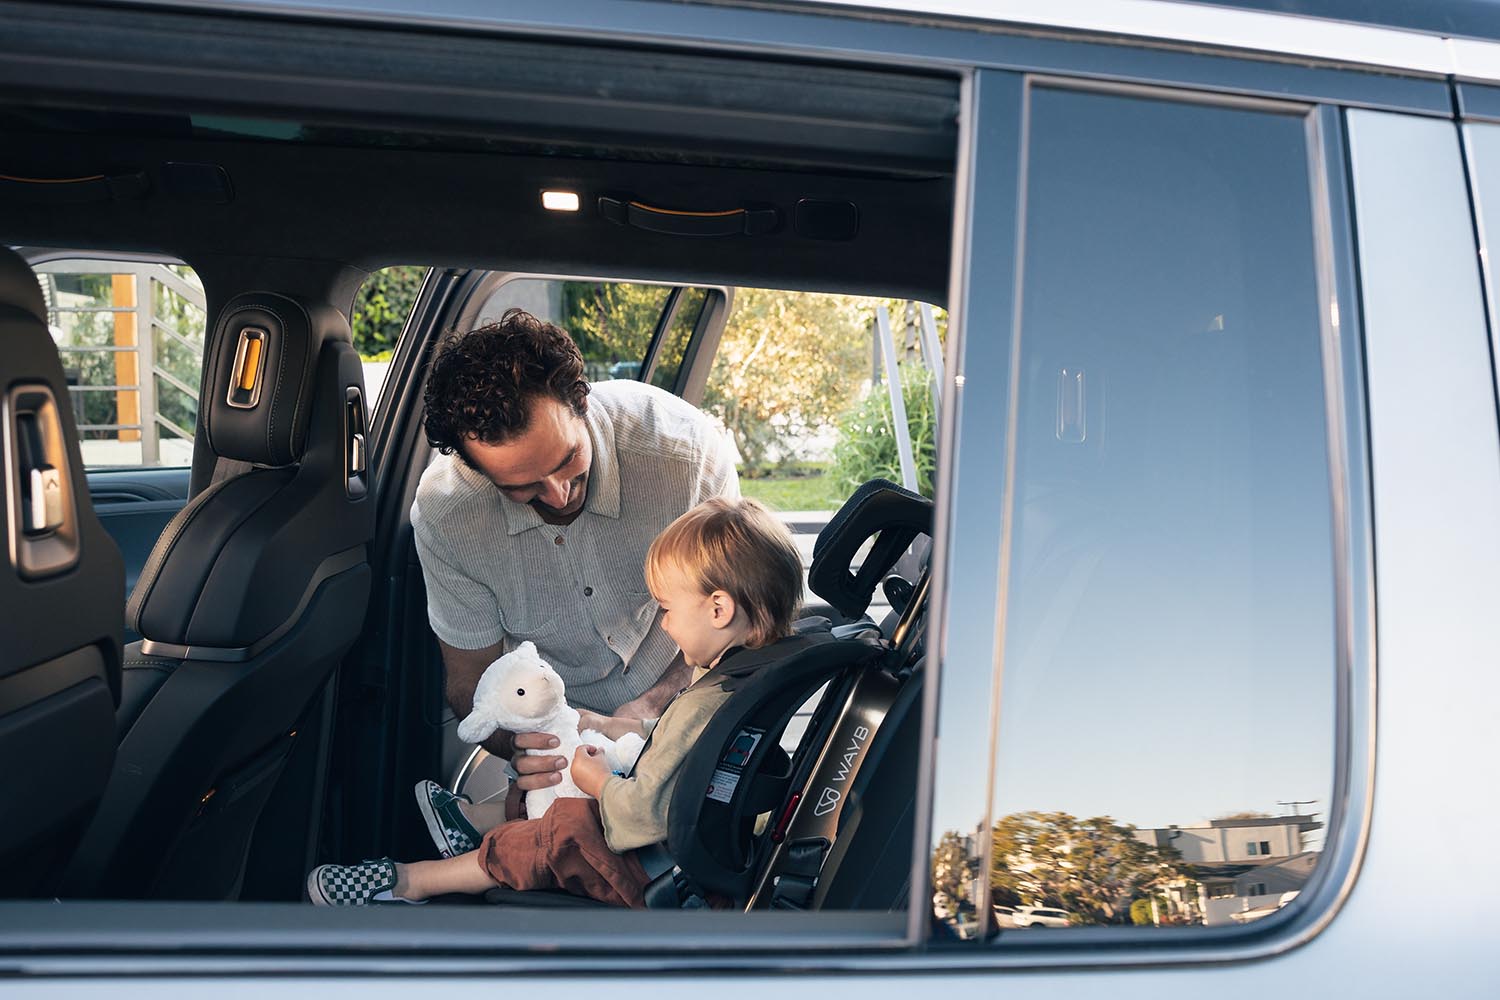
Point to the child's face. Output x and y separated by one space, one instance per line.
694 620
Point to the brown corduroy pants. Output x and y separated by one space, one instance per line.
566 850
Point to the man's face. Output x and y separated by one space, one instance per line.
547 465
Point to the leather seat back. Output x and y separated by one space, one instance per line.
251 597
61 592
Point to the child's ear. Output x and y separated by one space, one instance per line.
722 607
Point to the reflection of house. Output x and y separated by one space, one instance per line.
1243 864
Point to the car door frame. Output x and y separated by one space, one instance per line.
391 702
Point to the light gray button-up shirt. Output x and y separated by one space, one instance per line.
497 573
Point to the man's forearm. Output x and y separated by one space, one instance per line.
654 700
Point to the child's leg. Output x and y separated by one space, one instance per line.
484 815
425 879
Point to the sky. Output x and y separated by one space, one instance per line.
1169 650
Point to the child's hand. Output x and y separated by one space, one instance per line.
589 771
593 720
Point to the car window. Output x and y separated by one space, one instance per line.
801 385
130 336
381 308
613 322
1171 585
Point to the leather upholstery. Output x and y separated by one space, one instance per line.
236 563
19 290
274 431
59 633
251 597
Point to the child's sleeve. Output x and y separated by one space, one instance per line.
634 809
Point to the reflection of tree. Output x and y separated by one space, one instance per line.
953 872
1095 868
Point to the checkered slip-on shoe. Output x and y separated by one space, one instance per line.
354 885
451 832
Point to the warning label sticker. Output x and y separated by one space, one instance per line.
722 785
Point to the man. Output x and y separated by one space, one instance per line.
534 520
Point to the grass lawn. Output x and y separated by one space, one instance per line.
794 492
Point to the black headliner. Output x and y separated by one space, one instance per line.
432 149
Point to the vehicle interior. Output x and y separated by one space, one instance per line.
267 685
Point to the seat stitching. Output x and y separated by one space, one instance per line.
139 597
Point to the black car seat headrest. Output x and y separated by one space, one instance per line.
19 289
878 508
258 388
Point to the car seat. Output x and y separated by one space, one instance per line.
738 771
61 590
834 822
251 597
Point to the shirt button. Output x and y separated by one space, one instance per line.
557 540
588 591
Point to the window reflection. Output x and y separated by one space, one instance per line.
1167 710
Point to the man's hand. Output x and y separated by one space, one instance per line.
590 772
537 770
533 771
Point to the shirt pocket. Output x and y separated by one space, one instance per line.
641 611
539 631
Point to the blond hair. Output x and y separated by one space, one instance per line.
741 548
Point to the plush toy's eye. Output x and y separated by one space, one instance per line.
521 692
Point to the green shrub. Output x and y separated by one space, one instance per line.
381 308
866 445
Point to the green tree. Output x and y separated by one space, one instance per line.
1095 868
381 309
784 367
612 321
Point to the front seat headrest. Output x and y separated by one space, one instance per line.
258 387
18 286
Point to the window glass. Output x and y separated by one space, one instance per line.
1167 709
381 308
612 322
674 344
800 383
130 336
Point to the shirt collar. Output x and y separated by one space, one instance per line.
603 484
604 472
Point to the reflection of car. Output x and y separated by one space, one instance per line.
966 926
1005 916
1041 916
625 369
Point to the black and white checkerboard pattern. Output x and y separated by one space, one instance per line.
451 833
351 885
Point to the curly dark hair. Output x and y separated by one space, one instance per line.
482 382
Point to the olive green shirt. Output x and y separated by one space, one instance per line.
634 809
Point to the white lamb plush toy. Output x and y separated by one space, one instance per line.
522 693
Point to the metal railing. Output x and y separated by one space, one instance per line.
140 342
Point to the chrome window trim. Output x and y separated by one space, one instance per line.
914 38
1224 27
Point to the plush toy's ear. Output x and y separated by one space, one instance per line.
476 728
529 648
